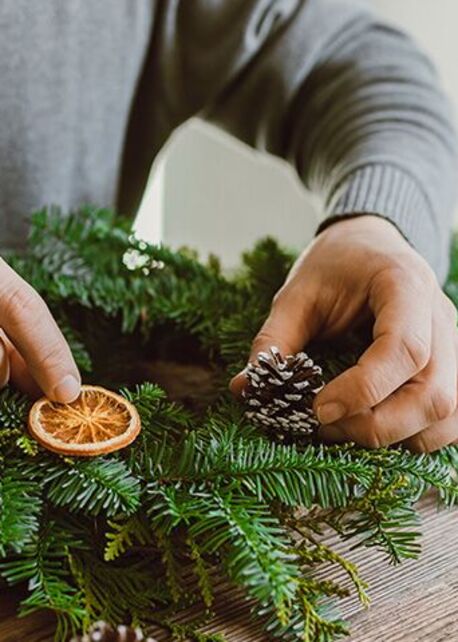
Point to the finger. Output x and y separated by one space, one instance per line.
31 328
439 435
401 349
292 322
401 417
237 384
4 365
21 377
18 372
339 433
429 398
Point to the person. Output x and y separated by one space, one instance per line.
90 92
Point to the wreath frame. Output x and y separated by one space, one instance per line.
109 538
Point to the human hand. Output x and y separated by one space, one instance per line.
404 387
33 351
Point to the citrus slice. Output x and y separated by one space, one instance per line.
98 422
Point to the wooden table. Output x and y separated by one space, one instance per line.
414 602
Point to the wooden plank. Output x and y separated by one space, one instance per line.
414 602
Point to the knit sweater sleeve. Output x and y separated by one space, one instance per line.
350 101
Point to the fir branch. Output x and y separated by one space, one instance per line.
313 616
447 458
235 335
256 556
386 519
101 485
171 564
44 564
319 553
121 592
422 472
124 535
265 269
201 488
27 445
20 508
158 415
192 633
267 470
201 571
75 341
14 408
239 530
251 542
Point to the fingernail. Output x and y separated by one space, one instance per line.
330 412
331 433
67 390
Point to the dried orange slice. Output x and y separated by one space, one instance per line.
98 422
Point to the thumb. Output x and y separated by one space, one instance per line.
291 324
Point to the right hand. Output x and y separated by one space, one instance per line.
33 351
404 386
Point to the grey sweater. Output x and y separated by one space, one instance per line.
90 90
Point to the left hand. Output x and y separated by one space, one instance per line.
404 387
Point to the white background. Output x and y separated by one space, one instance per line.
209 192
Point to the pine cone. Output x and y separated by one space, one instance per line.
103 632
280 393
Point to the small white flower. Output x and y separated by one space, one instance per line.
134 260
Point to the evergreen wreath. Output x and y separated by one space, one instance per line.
111 538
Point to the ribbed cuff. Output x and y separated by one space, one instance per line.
392 193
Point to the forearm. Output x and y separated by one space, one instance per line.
384 142
357 110
352 104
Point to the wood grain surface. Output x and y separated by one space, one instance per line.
414 602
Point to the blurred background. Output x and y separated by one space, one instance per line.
210 192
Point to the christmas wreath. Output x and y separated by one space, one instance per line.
209 483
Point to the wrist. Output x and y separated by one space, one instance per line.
364 226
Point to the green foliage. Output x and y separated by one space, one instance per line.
266 470
158 416
386 520
257 555
27 445
199 491
265 267
319 553
118 592
202 571
13 409
44 564
93 486
123 535
20 507
191 633
185 632
253 540
73 338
